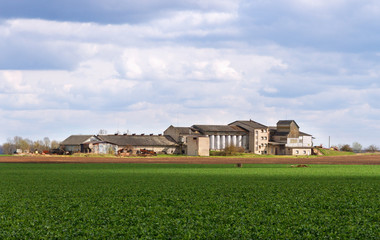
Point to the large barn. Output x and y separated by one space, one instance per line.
104 144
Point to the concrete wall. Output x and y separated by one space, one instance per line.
301 151
105 148
198 146
174 133
261 141
301 141
72 148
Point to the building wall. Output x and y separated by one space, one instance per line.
105 148
301 151
261 141
301 141
174 133
72 148
198 146
220 141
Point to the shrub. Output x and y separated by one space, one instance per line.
228 151
346 148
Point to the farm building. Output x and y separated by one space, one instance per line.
104 144
156 143
78 143
283 139
286 139
198 145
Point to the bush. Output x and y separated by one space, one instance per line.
346 148
228 151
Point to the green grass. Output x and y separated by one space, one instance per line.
162 201
328 152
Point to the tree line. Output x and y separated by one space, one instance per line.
357 148
25 145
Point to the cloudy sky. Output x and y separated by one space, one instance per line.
75 67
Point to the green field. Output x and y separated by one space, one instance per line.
162 201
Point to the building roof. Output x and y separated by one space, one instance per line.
304 134
286 123
138 140
248 125
218 128
76 139
186 130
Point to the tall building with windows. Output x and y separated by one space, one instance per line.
282 139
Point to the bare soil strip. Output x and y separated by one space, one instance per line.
346 160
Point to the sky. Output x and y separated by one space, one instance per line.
75 67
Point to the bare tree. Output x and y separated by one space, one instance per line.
47 143
54 144
9 148
102 132
357 147
372 148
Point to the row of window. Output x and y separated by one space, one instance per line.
304 152
262 130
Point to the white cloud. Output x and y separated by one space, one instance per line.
212 62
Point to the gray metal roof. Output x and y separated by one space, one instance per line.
249 125
76 139
304 134
286 123
186 130
217 128
138 140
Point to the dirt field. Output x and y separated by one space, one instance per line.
349 160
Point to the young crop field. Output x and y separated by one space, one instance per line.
169 201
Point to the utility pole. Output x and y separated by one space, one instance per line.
329 142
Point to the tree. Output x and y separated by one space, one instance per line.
357 147
54 144
47 143
38 146
9 148
1 149
372 148
346 148
102 132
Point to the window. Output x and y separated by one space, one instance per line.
262 130
257 132
297 151
262 138
304 151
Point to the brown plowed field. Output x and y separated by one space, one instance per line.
349 160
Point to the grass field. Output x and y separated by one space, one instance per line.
161 201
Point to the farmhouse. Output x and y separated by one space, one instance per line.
283 139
